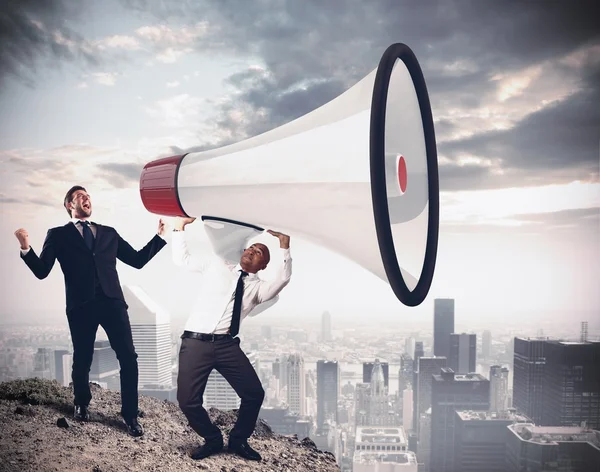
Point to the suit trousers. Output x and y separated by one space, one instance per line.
197 359
112 315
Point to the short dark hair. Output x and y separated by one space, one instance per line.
69 196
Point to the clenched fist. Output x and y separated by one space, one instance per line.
23 237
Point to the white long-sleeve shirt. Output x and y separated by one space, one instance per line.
213 311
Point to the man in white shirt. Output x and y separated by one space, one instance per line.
229 293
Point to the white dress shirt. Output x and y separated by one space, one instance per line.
214 307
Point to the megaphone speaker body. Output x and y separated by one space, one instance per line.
358 176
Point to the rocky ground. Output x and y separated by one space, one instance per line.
38 434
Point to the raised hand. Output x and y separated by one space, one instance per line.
179 222
161 227
23 237
284 239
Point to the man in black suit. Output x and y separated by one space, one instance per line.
88 253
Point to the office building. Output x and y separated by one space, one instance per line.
463 352
528 375
419 352
571 386
105 366
296 392
422 386
480 440
452 392
443 326
549 448
405 373
219 394
384 449
63 365
498 388
407 408
151 330
328 386
368 370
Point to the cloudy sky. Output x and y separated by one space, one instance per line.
92 91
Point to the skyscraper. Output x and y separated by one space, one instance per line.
105 366
571 386
380 412
326 334
423 379
151 330
62 373
443 325
405 373
498 388
463 351
568 448
407 408
486 344
328 384
296 384
480 440
451 392
419 352
528 376
219 394
368 370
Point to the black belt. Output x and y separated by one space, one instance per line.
205 337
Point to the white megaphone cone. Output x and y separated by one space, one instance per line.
358 175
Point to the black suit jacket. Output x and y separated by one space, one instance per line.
81 267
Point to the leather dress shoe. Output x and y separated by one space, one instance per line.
207 449
243 449
134 428
81 413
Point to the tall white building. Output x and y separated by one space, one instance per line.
296 390
219 394
151 330
498 388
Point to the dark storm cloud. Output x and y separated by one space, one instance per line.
28 37
460 45
560 141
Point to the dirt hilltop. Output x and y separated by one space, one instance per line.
38 434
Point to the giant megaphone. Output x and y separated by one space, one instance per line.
358 176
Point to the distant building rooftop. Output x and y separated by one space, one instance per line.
469 415
555 434
402 458
472 377
389 435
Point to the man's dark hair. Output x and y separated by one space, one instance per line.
69 196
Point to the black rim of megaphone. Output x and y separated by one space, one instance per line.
226 220
378 181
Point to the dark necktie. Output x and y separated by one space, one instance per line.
88 236
237 305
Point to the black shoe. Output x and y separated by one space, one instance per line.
207 449
81 413
134 428
243 449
